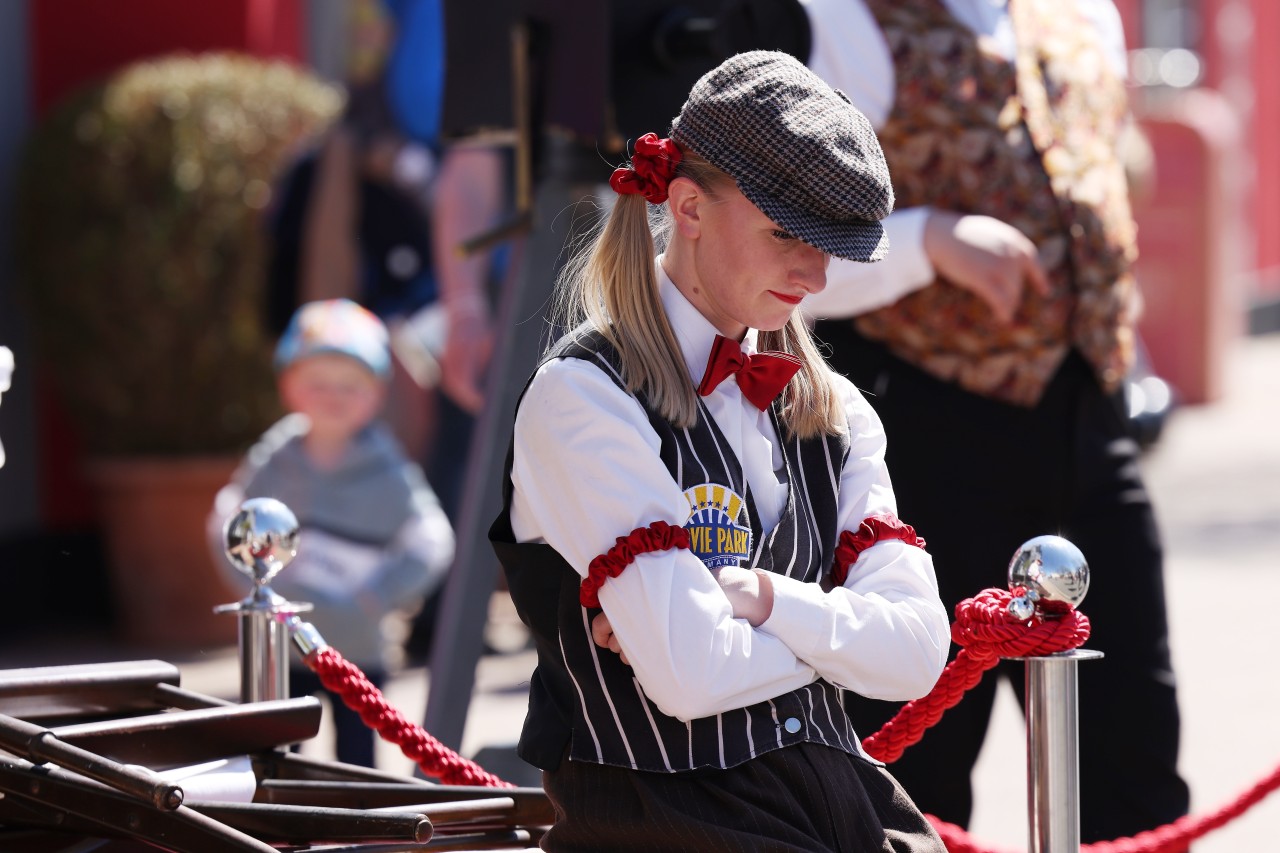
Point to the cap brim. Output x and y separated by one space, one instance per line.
852 239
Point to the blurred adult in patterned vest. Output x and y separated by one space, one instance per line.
993 341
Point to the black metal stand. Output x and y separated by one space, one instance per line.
522 330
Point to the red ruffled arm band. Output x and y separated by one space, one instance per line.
872 530
659 536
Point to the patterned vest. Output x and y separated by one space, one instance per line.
583 696
1032 144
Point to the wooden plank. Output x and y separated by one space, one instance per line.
178 738
302 825
80 804
84 690
530 805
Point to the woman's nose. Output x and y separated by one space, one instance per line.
811 271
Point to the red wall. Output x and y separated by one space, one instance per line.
74 41
1240 42
1266 140
1131 15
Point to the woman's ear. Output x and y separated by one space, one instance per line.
684 200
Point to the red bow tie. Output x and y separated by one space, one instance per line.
761 377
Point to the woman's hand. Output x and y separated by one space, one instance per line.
602 633
750 592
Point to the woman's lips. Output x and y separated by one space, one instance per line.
790 300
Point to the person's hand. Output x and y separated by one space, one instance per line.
988 257
465 360
750 592
602 633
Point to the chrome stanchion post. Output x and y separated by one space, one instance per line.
260 540
1050 577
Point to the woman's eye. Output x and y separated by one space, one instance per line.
779 234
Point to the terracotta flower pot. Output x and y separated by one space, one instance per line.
164 581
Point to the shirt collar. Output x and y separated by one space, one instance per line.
694 332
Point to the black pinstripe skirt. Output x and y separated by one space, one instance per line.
807 798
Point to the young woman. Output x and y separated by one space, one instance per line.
698 524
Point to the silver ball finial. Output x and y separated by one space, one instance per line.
261 538
1053 573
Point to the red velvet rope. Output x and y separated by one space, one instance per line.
1176 836
986 632
983 628
658 536
872 529
361 696
1171 838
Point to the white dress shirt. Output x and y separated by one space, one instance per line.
850 52
586 470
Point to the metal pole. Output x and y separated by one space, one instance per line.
459 636
264 651
260 540
1050 577
1053 751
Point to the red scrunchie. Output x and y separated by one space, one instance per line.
653 165
872 529
658 536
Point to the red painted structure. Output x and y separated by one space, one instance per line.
1239 41
1266 141
74 41
1241 38
1209 233
1189 239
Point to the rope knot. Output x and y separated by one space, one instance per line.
986 632
985 627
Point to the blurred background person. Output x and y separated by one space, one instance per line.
373 538
378 213
994 341
353 215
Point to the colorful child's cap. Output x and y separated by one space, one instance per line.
336 326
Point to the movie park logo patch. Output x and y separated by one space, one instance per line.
714 532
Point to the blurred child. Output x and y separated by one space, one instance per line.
373 539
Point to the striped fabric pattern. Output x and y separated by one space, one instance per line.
613 722
807 799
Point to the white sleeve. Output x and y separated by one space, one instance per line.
850 53
854 288
885 633
586 470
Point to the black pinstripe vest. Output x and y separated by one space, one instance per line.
583 696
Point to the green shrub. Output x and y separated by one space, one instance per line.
142 251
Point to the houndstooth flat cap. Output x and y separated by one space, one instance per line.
798 150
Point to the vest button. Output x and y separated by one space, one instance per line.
792 725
